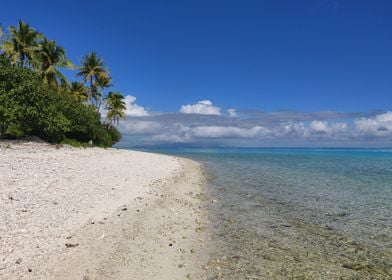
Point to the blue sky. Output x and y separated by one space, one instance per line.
257 57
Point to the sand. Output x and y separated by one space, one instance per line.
92 213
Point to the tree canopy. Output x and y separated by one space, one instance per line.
37 99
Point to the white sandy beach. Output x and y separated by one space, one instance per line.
70 213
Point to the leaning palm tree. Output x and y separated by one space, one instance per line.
21 45
115 107
92 70
49 59
79 91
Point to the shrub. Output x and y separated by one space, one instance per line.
28 107
114 133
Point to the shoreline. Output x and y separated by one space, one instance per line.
75 213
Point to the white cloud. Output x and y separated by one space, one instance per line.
132 108
380 125
292 128
203 107
319 126
277 128
323 127
176 133
227 132
339 127
232 113
140 127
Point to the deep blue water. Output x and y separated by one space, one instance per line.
325 202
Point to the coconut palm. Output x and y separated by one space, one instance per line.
79 91
49 59
116 107
102 83
92 70
22 44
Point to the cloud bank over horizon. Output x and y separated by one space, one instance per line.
204 124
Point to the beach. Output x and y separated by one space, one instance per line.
93 213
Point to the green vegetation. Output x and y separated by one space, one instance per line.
116 107
36 99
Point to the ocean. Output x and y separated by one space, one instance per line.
293 213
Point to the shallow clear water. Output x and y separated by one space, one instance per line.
298 213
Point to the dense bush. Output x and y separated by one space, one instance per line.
28 107
114 134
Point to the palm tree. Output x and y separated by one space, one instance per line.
79 91
92 70
116 107
102 83
22 44
49 59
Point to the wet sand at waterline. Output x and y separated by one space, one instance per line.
76 213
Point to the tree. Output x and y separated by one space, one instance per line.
50 58
79 91
28 106
36 98
100 85
21 45
92 71
116 107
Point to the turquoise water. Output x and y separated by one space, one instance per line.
298 213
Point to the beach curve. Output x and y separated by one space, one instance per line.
71 213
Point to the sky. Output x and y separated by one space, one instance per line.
235 73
